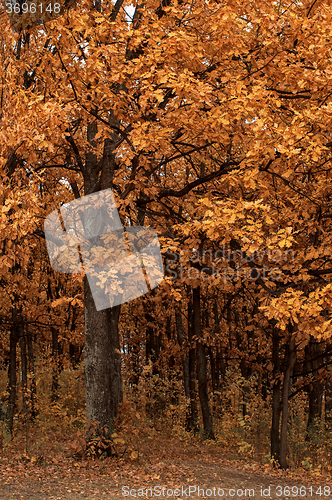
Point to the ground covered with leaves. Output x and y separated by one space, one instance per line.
166 468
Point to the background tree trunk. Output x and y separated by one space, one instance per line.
31 363
291 360
55 371
192 409
24 369
315 390
184 355
12 375
201 366
276 393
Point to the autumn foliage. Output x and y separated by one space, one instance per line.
211 122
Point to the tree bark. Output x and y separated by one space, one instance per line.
328 403
12 375
31 360
316 388
24 369
184 355
201 366
291 360
55 368
276 393
102 362
192 409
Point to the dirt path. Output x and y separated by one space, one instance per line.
172 472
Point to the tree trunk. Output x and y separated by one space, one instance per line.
155 404
217 375
55 368
184 355
291 360
102 362
214 373
276 393
275 434
192 409
31 360
24 369
201 366
12 376
315 391
315 402
133 343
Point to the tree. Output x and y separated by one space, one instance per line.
211 132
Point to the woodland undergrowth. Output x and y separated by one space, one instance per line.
156 408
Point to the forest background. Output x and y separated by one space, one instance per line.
211 123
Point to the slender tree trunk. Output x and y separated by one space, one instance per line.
55 369
217 362
315 391
192 409
291 360
24 369
276 394
56 348
201 366
155 404
31 361
75 351
24 375
133 346
214 373
12 378
217 374
184 355
328 401
275 433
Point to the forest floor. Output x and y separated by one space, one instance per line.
172 468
